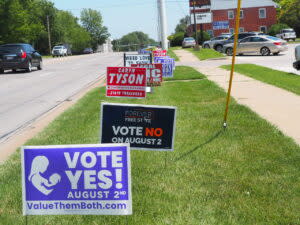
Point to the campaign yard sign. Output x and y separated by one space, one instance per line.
76 179
130 58
159 53
126 82
143 127
168 65
154 73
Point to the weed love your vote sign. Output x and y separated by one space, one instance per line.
76 179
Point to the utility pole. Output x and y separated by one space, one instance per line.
195 23
158 23
163 24
49 36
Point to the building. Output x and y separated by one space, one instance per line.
220 15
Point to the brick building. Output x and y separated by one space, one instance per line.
256 15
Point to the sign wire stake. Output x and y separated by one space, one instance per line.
237 25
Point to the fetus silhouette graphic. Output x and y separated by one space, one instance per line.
39 165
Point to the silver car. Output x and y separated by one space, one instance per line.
263 45
211 43
188 42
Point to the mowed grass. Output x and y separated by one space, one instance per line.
185 73
284 80
172 54
205 53
246 175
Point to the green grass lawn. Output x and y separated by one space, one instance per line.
246 175
287 81
204 53
293 42
185 73
172 54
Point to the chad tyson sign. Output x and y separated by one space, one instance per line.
76 179
144 127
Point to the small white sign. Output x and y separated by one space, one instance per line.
202 18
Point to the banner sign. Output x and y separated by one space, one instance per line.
144 127
220 25
154 73
159 53
199 3
168 65
126 82
76 180
137 59
202 18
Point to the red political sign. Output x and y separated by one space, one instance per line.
159 53
126 82
154 73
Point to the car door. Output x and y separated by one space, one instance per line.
243 45
35 56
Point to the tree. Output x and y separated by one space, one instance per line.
92 21
289 13
134 40
183 25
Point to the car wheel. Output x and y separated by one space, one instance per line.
265 51
29 67
219 48
1 71
206 46
229 51
14 70
40 66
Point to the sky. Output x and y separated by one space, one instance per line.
124 16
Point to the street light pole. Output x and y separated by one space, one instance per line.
49 36
163 24
195 24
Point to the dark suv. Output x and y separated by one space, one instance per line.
219 45
19 56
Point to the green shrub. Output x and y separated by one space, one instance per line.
275 29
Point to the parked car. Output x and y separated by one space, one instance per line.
213 41
188 42
19 56
59 50
88 51
218 46
287 34
264 45
297 56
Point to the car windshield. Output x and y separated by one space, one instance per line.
273 38
288 31
10 48
58 47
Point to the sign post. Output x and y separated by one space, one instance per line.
76 180
237 25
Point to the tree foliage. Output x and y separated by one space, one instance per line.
289 13
276 28
92 21
25 21
133 41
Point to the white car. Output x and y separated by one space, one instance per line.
188 42
287 34
59 50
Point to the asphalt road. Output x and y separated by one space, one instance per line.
27 96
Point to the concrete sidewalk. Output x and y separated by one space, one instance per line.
279 107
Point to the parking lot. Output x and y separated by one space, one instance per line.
284 61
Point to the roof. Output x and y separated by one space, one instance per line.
231 4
